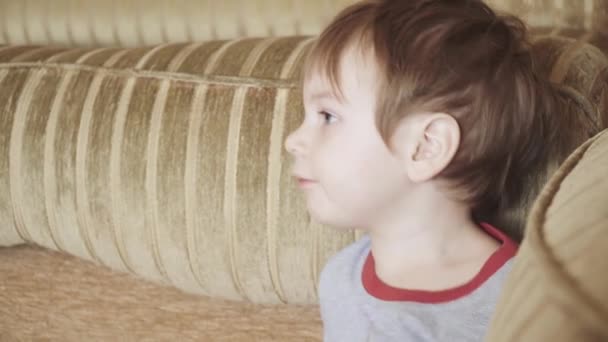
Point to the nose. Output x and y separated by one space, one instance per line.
295 143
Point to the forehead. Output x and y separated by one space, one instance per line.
355 73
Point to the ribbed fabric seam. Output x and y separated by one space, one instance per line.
275 169
92 53
83 209
215 57
69 27
56 56
187 24
562 65
49 174
3 74
230 191
4 28
151 176
164 34
92 34
212 19
83 212
116 200
139 34
114 23
45 22
148 55
254 56
232 151
16 150
190 172
4 48
24 16
192 151
26 54
272 189
588 109
182 55
151 165
115 164
240 81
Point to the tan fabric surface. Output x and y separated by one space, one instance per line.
585 70
50 296
558 289
168 161
147 22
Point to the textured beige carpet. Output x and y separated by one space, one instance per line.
49 296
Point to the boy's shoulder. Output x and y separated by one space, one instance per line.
345 266
349 255
356 248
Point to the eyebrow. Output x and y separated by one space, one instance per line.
324 95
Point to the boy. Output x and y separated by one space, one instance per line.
420 115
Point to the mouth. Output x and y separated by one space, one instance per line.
304 183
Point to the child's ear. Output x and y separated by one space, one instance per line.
431 142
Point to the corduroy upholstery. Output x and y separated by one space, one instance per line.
558 288
149 22
168 162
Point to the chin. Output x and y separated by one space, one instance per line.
326 212
325 218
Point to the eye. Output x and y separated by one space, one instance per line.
328 118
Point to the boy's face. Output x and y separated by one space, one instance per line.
349 176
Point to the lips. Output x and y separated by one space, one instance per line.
304 183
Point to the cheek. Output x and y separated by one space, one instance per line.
337 162
355 173
352 156
358 176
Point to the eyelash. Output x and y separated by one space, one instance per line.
327 116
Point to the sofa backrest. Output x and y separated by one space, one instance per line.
148 22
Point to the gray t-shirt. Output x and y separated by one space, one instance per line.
357 306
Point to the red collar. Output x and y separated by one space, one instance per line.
377 288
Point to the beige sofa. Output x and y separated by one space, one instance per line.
145 193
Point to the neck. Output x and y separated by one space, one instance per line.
432 232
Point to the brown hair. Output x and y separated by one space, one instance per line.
460 57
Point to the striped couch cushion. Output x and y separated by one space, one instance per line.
147 22
168 161
558 289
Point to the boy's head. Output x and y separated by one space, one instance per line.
402 93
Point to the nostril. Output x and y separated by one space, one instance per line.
291 143
297 142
